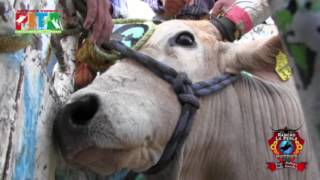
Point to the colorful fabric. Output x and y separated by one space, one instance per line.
241 18
247 14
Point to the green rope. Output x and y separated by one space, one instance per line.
246 74
100 58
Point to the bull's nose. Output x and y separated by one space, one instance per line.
83 109
71 124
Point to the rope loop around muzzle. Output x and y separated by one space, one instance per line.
188 94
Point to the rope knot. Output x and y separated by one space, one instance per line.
182 85
190 99
179 82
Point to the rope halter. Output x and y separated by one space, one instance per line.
188 94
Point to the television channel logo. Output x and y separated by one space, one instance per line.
38 21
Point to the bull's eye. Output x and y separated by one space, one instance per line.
184 39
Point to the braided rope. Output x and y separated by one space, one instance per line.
187 94
213 85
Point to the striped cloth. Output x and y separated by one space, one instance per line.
198 9
120 8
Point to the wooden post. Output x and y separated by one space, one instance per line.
30 96
27 104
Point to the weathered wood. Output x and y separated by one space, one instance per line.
10 87
26 151
11 80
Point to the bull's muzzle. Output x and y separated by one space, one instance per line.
71 125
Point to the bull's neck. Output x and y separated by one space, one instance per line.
227 120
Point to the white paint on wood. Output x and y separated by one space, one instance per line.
9 88
63 81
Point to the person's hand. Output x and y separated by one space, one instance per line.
99 20
220 5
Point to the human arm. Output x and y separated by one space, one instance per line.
242 14
98 20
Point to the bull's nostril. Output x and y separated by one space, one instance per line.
83 109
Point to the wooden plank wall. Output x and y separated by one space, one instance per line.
29 102
26 104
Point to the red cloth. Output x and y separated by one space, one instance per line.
240 17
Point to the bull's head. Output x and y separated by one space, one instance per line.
126 116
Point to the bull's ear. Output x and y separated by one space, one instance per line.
255 56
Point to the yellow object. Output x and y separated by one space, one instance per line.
299 148
283 68
273 147
13 42
99 58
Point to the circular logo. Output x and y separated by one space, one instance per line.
286 147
